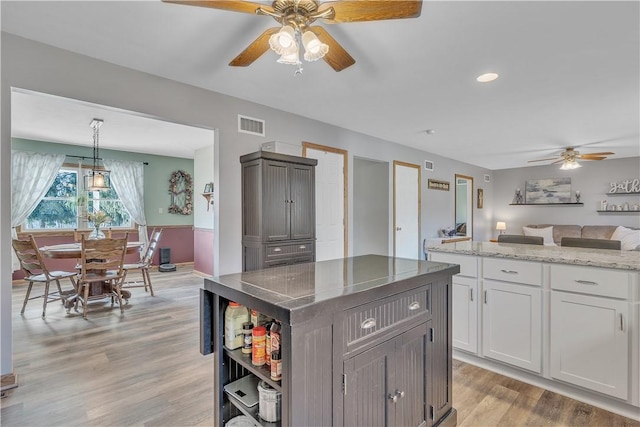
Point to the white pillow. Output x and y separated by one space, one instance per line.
545 233
630 239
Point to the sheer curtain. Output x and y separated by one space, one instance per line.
31 176
128 181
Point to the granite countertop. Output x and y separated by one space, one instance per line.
300 286
624 260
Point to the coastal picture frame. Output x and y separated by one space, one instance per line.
548 190
208 188
480 198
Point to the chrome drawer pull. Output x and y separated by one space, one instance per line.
277 250
368 323
414 306
471 292
302 247
509 271
586 282
621 322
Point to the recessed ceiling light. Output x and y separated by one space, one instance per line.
487 77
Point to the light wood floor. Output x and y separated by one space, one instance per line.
143 368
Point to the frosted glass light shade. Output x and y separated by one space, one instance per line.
284 41
290 59
314 49
570 164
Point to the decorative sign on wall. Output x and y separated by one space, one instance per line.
180 188
434 184
626 186
549 190
480 198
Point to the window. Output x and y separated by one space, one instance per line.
62 206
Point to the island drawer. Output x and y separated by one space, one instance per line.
592 281
515 271
468 264
369 321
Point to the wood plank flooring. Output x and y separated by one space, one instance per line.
143 368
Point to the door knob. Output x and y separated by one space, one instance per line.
398 228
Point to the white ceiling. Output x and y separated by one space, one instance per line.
569 71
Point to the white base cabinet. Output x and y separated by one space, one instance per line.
512 324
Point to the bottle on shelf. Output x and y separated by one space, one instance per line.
275 336
258 346
247 332
267 344
276 366
234 316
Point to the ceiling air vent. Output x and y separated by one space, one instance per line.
250 125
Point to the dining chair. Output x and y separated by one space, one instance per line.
144 264
36 271
102 265
517 238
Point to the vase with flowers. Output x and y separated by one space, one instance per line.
97 218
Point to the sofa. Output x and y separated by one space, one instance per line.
580 231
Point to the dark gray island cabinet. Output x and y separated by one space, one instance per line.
366 341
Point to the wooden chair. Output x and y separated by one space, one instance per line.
577 242
144 264
35 271
102 265
516 238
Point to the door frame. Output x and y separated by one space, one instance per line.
409 165
345 177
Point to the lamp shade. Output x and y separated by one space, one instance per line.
314 49
290 58
284 41
501 226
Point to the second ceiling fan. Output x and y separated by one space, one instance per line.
295 18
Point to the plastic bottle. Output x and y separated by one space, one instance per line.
275 336
258 346
234 316
267 345
276 366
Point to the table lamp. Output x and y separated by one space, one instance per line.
501 226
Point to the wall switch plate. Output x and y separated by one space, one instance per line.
160 210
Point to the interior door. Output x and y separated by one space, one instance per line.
406 210
330 200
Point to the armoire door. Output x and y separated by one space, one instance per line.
302 201
275 201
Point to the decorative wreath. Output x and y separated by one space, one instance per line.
180 185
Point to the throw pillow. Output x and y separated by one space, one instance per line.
630 239
545 233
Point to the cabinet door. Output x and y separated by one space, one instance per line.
412 377
465 314
302 201
366 400
512 324
590 342
275 200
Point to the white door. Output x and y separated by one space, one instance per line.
330 197
406 210
590 342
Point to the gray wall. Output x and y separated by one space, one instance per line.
592 179
38 67
370 207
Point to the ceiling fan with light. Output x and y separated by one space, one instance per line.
295 18
569 158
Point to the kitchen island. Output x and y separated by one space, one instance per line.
365 341
565 319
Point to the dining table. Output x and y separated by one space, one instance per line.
74 250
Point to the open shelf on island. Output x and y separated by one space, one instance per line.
263 372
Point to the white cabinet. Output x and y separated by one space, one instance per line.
465 313
512 324
590 332
465 300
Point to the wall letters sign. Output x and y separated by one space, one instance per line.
434 184
627 186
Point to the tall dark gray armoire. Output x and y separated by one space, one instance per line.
278 210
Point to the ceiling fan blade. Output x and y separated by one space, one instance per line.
337 57
254 50
371 10
232 5
604 153
557 161
592 157
542 160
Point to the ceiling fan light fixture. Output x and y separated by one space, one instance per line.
290 58
570 165
314 49
284 41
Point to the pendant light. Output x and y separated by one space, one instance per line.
98 178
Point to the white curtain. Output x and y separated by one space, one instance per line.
127 179
31 176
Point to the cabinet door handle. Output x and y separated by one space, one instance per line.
471 294
400 394
586 282
302 247
509 271
414 306
292 201
368 323
621 322
398 228
485 297
393 397
286 201
277 250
